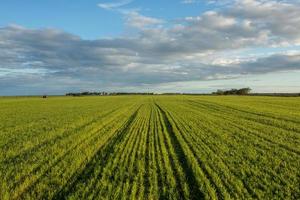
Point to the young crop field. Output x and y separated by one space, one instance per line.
150 147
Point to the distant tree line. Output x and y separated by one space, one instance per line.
242 91
86 93
107 93
172 93
131 93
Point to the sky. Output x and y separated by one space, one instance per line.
192 46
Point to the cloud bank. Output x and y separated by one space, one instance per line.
196 48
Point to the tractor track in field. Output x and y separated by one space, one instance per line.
66 133
203 166
195 192
147 158
231 111
60 157
131 159
101 155
234 122
159 161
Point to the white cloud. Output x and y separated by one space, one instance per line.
189 1
135 19
113 5
215 2
280 18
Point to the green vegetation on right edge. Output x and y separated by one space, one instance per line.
150 147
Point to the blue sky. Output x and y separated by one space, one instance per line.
61 46
86 19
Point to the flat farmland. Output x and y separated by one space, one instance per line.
150 147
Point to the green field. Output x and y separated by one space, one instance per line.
150 147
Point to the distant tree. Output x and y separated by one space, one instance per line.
220 92
231 92
242 91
